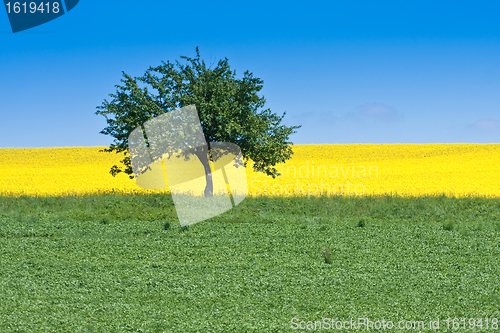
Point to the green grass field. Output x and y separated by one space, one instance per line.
122 263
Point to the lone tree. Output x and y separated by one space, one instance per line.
228 109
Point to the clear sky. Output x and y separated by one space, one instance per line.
348 71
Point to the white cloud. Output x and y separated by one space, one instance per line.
486 125
378 111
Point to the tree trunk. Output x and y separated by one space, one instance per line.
202 154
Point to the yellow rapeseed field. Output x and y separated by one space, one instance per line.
360 169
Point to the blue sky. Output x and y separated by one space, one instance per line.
348 71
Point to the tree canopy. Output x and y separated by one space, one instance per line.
229 109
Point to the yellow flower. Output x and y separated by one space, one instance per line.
314 170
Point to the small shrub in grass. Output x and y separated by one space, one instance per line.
166 226
448 225
464 231
31 220
328 256
479 227
361 223
496 226
104 220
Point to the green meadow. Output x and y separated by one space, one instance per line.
117 263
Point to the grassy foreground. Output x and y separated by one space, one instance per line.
121 263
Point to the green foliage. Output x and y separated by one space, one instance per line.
448 225
251 269
230 110
328 255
